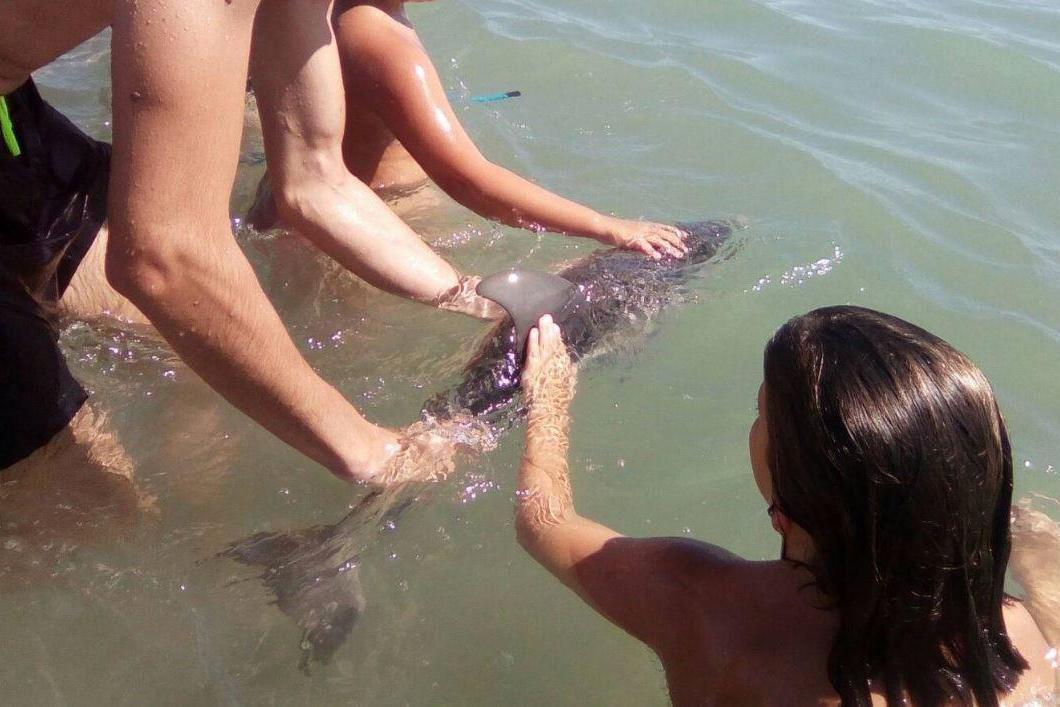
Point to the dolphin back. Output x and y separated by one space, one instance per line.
614 290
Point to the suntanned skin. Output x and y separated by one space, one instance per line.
179 73
401 130
316 194
727 630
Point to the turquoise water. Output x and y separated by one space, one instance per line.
899 154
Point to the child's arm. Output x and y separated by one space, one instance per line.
638 584
393 73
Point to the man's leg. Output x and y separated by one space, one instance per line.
90 297
65 474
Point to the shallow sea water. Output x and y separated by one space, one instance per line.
899 154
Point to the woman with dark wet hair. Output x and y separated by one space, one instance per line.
886 468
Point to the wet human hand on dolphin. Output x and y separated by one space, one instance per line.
464 298
653 239
607 296
548 374
527 295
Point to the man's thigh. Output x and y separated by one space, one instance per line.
35 32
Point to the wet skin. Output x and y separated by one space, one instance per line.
727 630
618 293
309 572
401 130
171 252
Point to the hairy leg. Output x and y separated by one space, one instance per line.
90 297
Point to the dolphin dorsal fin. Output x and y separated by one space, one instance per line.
526 295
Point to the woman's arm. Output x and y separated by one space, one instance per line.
384 63
638 584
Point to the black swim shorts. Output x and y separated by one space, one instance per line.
53 197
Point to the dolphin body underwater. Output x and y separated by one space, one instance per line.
608 294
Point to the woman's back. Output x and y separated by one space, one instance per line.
755 635
885 466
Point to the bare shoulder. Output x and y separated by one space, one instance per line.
724 626
697 559
711 584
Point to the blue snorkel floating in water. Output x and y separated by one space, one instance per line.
494 97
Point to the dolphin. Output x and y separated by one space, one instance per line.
607 295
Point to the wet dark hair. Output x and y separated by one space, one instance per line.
887 446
